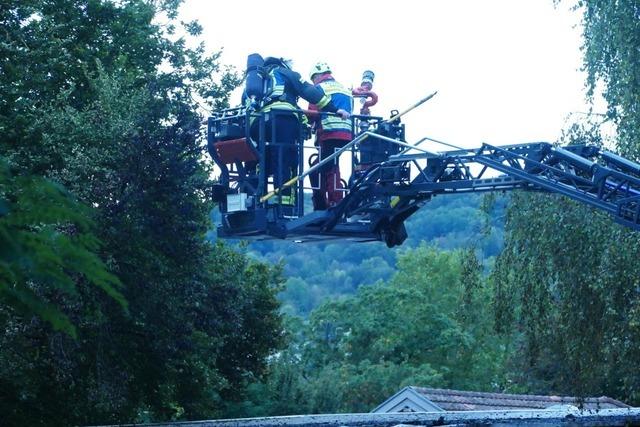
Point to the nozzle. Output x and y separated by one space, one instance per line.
367 78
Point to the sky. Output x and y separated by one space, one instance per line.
506 71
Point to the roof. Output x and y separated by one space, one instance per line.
456 400
533 417
430 399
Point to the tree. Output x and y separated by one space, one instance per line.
611 37
564 289
567 278
328 271
429 326
46 242
104 102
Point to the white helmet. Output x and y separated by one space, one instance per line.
319 68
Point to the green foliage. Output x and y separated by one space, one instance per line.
428 313
316 273
46 243
102 102
566 284
611 38
565 291
429 325
570 289
333 388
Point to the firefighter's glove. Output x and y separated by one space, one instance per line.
306 132
344 114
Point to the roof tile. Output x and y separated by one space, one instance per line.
457 400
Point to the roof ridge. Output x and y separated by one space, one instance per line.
612 401
485 393
511 396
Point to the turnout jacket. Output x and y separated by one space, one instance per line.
333 127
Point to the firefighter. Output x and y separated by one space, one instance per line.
283 87
332 132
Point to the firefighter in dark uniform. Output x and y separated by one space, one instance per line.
283 87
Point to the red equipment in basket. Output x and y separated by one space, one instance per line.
364 92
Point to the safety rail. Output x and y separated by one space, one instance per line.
238 141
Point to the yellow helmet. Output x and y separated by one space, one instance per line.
319 68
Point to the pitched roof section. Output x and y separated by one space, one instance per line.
407 400
456 400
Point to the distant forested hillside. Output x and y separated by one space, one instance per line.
316 272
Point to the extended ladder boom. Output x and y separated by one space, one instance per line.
584 173
391 180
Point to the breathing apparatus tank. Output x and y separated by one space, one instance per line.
254 86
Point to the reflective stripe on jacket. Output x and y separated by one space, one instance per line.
341 98
283 105
286 86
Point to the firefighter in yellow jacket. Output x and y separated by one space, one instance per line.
332 132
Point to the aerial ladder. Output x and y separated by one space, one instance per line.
391 179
